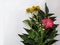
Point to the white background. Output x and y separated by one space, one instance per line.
12 13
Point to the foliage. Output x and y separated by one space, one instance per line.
37 34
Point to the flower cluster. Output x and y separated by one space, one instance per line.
47 22
33 8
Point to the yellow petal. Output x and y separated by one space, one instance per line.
28 9
31 9
38 7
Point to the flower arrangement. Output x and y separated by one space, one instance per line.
42 28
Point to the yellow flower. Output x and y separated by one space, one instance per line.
37 7
34 7
31 9
28 9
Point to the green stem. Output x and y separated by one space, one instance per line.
41 36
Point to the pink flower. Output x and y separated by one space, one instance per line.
47 22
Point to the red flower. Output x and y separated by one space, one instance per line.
47 22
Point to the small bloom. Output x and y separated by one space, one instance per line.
37 7
31 9
47 22
28 9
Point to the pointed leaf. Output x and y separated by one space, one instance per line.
46 9
28 22
50 14
24 36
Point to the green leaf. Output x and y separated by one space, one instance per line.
47 41
53 18
50 14
28 22
53 34
34 24
33 21
53 41
35 17
28 30
50 41
31 33
29 42
46 9
55 26
41 13
24 36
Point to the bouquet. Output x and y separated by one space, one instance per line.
42 27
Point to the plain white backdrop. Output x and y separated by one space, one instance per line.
12 13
